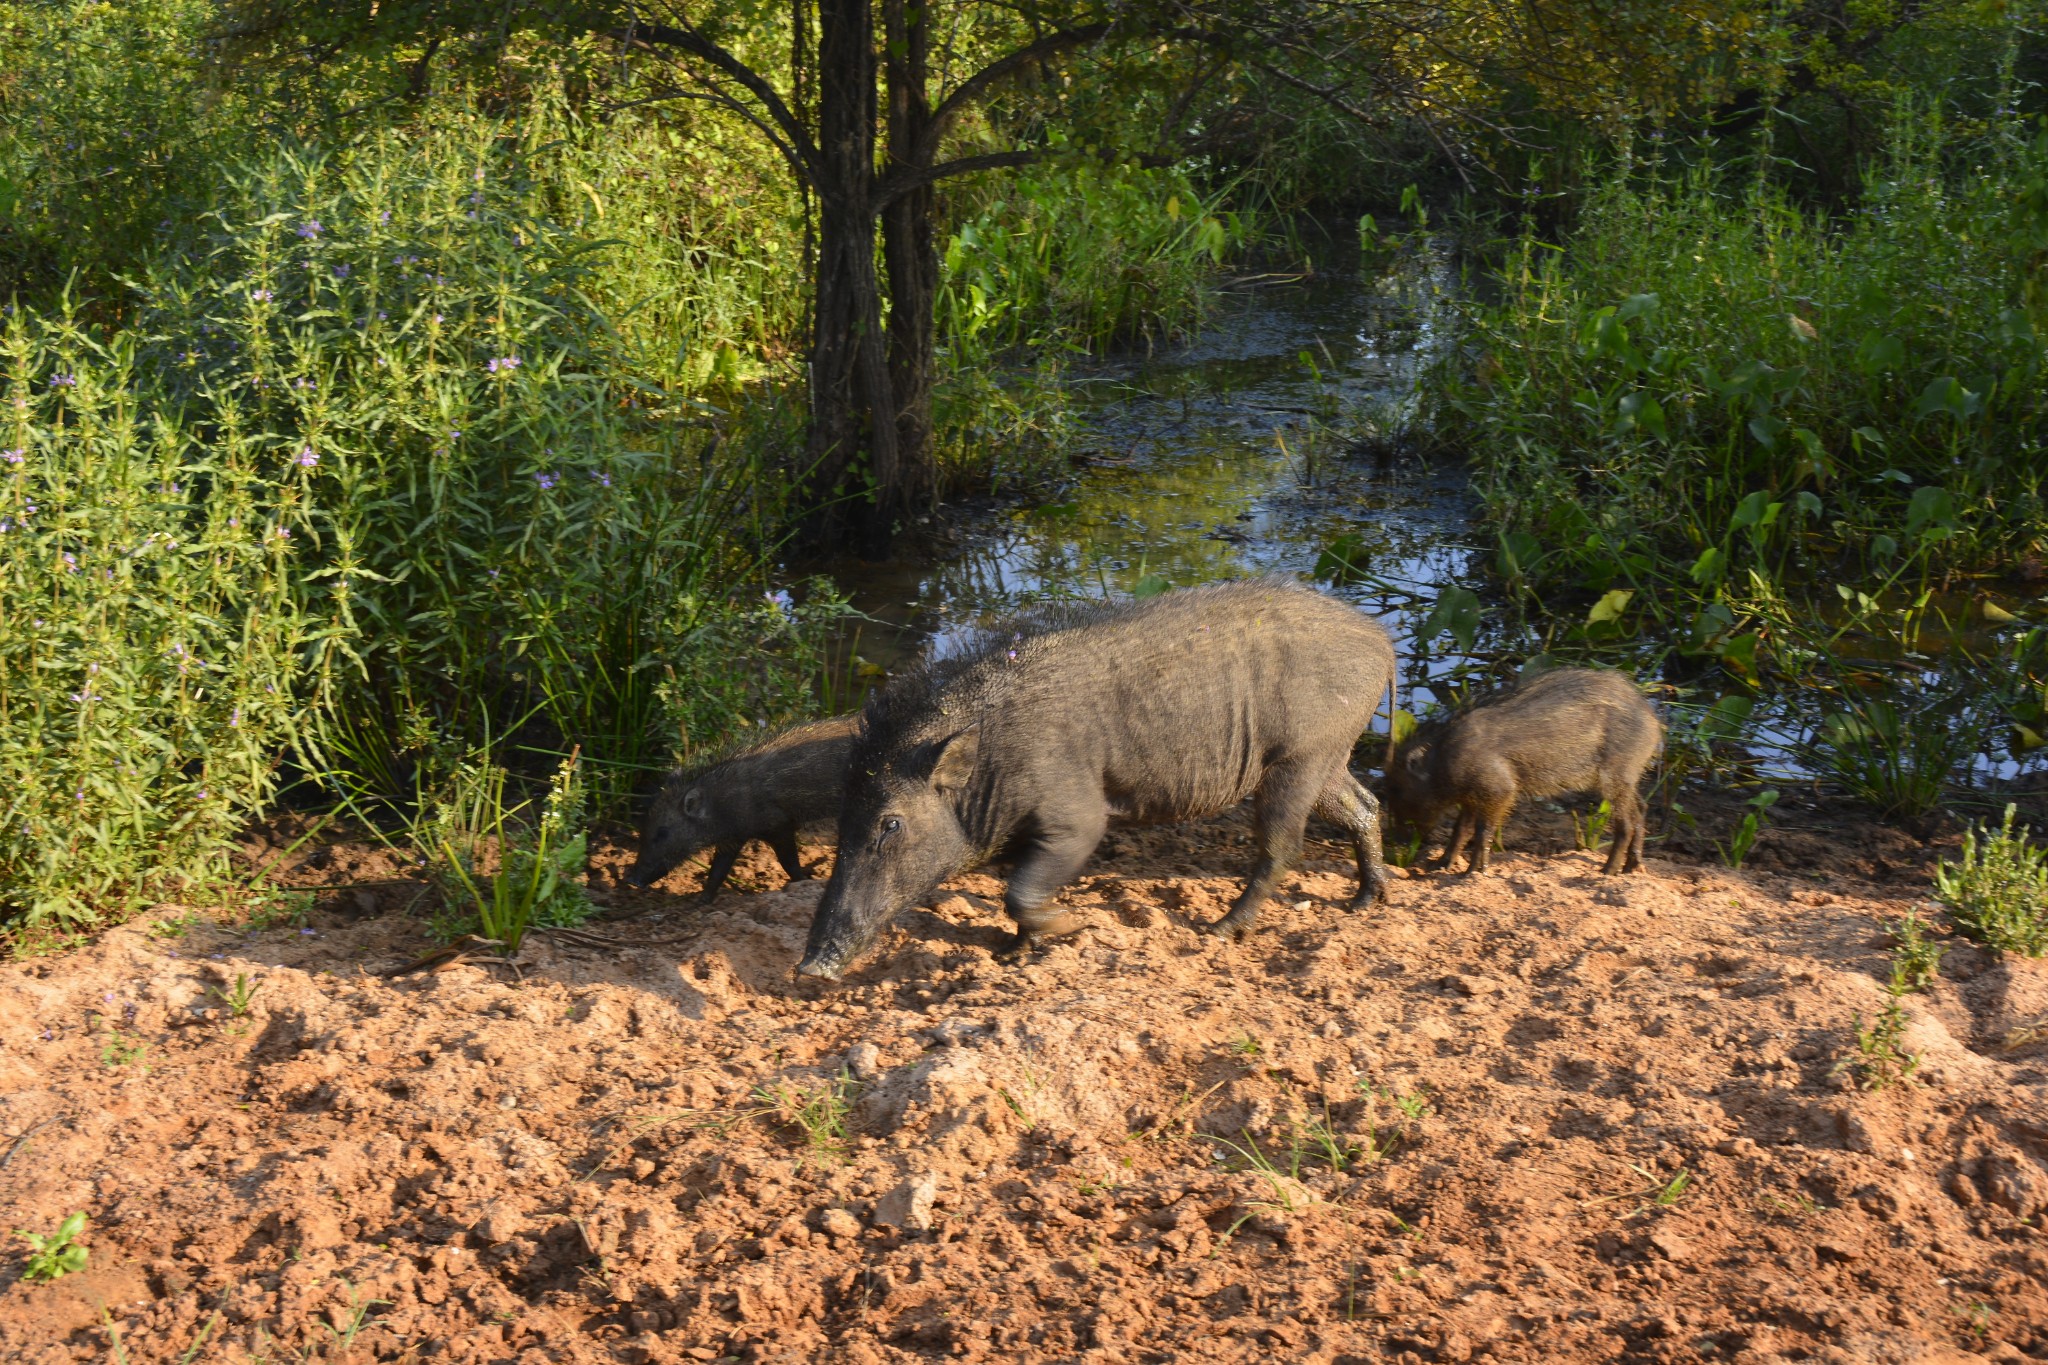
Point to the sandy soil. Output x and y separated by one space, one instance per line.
1471 1113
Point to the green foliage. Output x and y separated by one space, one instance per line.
820 1113
154 643
1997 892
1711 392
53 1256
108 124
751 666
536 869
237 998
1880 1059
1736 851
1080 252
1916 959
1898 765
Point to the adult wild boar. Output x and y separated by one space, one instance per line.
1170 709
1566 730
767 791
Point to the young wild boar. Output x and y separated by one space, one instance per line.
766 791
1567 730
1158 711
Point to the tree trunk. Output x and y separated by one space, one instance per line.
910 252
852 448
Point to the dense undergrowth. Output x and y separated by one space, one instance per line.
1794 447
364 459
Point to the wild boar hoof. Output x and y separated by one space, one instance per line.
1232 926
1015 948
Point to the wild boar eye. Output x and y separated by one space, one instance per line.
891 827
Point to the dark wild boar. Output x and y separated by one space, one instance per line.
766 791
1158 711
1567 730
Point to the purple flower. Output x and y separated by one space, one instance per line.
70 563
341 272
437 319
63 380
310 229
307 459
15 455
546 481
260 295
503 365
601 477
284 533
779 599
305 933
385 216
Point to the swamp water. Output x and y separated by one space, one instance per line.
1262 445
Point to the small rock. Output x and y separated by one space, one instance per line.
1670 1245
839 1224
909 1205
1736 1146
1332 1029
864 1060
500 1223
1472 986
642 1168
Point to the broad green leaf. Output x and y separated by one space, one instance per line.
1610 606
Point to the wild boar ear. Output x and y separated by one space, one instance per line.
955 762
1416 756
693 802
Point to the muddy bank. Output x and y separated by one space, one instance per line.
604 1158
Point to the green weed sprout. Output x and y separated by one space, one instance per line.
1736 851
1589 834
1997 893
1916 959
1879 1059
57 1255
541 884
238 997
821 1113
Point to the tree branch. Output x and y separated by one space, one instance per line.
688 40
898 183
979 84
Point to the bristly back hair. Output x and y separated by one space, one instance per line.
908 704
730 749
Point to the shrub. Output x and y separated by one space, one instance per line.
1711 390
1997 893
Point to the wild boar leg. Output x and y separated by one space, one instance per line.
1492 818
722 860
1347 804
1625 853
1280 811
1461 834
1055 858
783 841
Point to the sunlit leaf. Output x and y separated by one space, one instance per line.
1610 606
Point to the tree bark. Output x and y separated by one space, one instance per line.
852 448
910 253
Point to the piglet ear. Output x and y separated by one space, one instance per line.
1417 755
693 803
955 763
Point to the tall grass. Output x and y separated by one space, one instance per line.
1711 391
153 639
